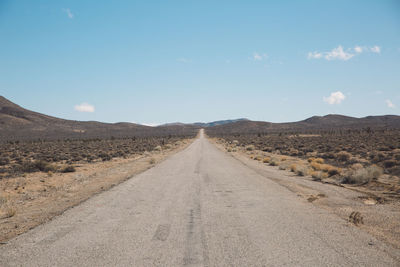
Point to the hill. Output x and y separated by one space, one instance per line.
17 123
315 123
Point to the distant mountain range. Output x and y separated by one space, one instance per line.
204 124
17 123
328 122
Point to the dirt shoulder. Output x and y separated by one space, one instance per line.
35 198
370 210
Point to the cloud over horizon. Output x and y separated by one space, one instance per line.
68 12
334 98
389 103
339 53
259 57
84 107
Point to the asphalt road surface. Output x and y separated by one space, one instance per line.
200 207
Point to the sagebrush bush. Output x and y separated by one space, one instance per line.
363 175
343 156
250 147
266 160
302 171
37 165
69 168
293 167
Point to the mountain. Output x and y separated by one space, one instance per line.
17 123
215 123
328 122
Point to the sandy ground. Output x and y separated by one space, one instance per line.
378 210
28 201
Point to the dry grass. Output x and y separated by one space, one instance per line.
293 167
250 147
266 160
343 156
362 175
274 162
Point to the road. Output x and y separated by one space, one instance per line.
200 207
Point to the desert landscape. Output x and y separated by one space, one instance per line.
199 133
347 166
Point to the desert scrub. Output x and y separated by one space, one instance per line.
266 160
274 162
157 148
69 168
250 148
302 170
293 168
152 161
343 156
318 175
362 175
37 165
258 158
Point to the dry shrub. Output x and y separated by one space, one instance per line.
316 166
274 162
37 165
389 163
293 167
168 146
318 175
356 218
362 175
284 165
157 148
333 171
357 166
343 156
319 160
152 161
257 158
302 170
69 168
250 147
266 160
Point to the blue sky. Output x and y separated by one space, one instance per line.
166 61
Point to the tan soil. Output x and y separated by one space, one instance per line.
28 201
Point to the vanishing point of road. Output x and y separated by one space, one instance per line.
200 207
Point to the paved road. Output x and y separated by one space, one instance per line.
200 207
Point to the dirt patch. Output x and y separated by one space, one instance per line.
35 198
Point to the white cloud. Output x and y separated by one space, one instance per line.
259 57
84 107
339 53
315 55
358 49
390 104
375 49
68 12
334 98
183 60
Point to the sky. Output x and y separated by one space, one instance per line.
154 62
